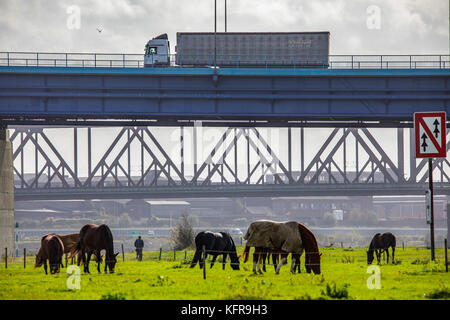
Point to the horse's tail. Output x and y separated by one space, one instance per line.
75 250
197 256
245 253
198 251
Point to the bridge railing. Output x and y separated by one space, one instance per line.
118 60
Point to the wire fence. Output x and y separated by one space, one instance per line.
121 60
415 255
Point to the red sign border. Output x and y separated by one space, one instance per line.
442 153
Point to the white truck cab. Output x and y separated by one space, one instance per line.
157 51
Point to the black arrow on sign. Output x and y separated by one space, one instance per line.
424 144
436 130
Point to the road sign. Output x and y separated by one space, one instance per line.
430 134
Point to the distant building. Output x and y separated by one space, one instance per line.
408 207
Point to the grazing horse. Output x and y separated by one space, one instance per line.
380 243
312 254
52 249
70 242
282 237
93 239
215 243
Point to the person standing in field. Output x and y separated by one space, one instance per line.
139 244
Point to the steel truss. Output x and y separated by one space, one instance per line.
244 160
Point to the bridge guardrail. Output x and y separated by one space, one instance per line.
120 60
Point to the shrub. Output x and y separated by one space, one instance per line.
440 293
182 236
335 292
113 296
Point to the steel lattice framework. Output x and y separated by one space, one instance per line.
141 162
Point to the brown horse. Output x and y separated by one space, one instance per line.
93 239
312 254
52 249
70 242
266 234
379 244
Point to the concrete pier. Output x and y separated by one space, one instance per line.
6 193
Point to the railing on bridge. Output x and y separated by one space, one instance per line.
118 60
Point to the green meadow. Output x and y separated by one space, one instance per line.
344 276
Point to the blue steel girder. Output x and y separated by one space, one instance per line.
59 94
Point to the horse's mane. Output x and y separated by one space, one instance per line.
309 240
372 242
109 239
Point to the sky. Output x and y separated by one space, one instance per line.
356 26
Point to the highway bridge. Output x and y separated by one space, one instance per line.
83 92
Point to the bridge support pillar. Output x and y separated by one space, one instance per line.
6 192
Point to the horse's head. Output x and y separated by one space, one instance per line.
370 256
234 262
39 261
312 262
111 262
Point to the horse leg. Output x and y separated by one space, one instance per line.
393 250
293 266
264 256
387 256
259 263
224 260
283 260
255 257
97 254
275 257
88 258
45 266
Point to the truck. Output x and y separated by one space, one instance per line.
241 49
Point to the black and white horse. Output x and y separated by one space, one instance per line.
216 243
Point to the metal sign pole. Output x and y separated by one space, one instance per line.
430 184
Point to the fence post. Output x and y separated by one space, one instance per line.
446 256
24 258
342 245
160 252
403 244
174 255
185 254
204 262
6 258
123 254
66 260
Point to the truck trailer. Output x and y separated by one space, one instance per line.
241 49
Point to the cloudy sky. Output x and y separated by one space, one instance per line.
356 26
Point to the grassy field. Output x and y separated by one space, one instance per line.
344 276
